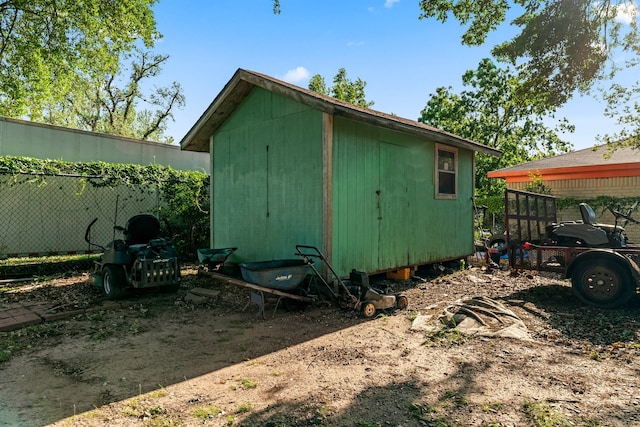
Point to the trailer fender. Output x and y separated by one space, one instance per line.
605 254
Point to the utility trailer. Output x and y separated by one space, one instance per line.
599 260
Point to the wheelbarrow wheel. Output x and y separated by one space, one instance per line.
368 310
402 302
113 281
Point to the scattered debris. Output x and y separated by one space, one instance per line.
480 316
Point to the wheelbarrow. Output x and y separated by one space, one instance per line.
281 279
354 294
214 259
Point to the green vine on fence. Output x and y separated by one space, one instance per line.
185 193
99 174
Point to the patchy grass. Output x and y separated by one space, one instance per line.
247 383
243 408
206 412
446 336
544 415
157 394
598 355
45 266
492 407
425 414
455 397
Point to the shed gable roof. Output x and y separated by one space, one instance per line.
243 81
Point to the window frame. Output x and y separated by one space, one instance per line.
437 171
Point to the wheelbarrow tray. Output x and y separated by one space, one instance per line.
283 274
214 257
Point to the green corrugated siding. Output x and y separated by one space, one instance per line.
267 201
385 214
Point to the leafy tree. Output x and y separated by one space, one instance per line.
490 112
100 105
623 105
563 45
45 44
343 88
318 85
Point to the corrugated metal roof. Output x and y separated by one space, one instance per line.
243 81
594 156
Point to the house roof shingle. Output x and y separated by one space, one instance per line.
243 81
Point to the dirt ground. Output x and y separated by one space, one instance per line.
176 360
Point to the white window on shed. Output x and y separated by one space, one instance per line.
446 172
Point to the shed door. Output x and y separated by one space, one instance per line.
393 207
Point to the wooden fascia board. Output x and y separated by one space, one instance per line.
197 139
574 172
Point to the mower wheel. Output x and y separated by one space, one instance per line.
113 281
402 302
368 310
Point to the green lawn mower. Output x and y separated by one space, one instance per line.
142 259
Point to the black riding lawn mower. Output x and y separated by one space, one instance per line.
591 233
142 259
587 232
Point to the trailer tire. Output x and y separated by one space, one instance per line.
114 282
602 283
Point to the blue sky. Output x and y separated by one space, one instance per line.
402 59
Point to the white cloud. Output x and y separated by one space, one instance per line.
389 3
626 12
296 75
355 44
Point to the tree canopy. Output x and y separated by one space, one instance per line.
45 44
343 88
113 103
490 112
562 46
63 62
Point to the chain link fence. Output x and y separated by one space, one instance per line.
48 215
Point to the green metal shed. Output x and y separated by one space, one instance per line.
373 191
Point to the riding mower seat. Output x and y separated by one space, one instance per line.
141 230
589 217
